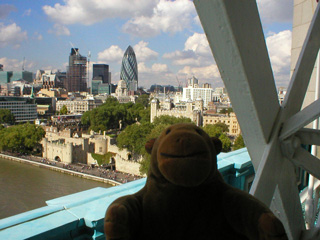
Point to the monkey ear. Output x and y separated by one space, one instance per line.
149 145
217 144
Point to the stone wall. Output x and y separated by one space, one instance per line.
71 150
125 161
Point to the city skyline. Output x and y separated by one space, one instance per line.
166 36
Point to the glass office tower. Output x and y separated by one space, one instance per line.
129 69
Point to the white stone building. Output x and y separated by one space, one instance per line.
192 110
193 93
79 105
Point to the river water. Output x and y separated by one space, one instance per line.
24 187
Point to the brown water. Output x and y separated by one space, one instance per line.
24 187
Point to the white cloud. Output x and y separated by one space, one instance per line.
15 64
88 12
59 30
147 17
279 48
156 68
199 44
272 11
5 10
158 73
143 53
11 35
38 36
205 73
111 54
168 17
115 53
160 68
27 12
196 52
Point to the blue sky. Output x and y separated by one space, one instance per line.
166 35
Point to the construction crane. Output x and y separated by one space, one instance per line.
179 84
75 49
24 60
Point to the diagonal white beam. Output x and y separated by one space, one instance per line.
300 119
309 136
304 67
275 179
237 42
302 158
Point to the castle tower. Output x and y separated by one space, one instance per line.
68 153
199 104
189 107
167 104
154 109
44 148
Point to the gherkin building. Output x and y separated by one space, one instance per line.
129 69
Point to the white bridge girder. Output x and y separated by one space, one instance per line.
273 134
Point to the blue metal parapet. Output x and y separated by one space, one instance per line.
81 215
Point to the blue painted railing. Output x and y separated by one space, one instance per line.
80 215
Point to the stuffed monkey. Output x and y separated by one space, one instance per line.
185 197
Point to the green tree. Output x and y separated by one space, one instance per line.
23 138
226 143
143 99
238 143
216 131
169 120
226 110
6 116
144 115
102 158
224 127
63 110
213 130
109 115
133 137
155 132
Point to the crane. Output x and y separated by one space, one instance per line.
75 49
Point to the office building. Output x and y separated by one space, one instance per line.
101 72
193 93
76 80
10 76
24 109
129 69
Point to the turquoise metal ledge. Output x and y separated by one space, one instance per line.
80 215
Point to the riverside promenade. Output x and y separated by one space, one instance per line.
80 170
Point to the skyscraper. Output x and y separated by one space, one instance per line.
77 72
129 69
101 72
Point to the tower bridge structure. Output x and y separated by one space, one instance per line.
274 134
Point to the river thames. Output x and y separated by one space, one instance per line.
24 187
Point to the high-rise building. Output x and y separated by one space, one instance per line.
193 82
10 76
101 72
77 72
129 69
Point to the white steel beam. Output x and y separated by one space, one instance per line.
237 42
300 119
304 67
309 136
302 158
245 69
275 181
